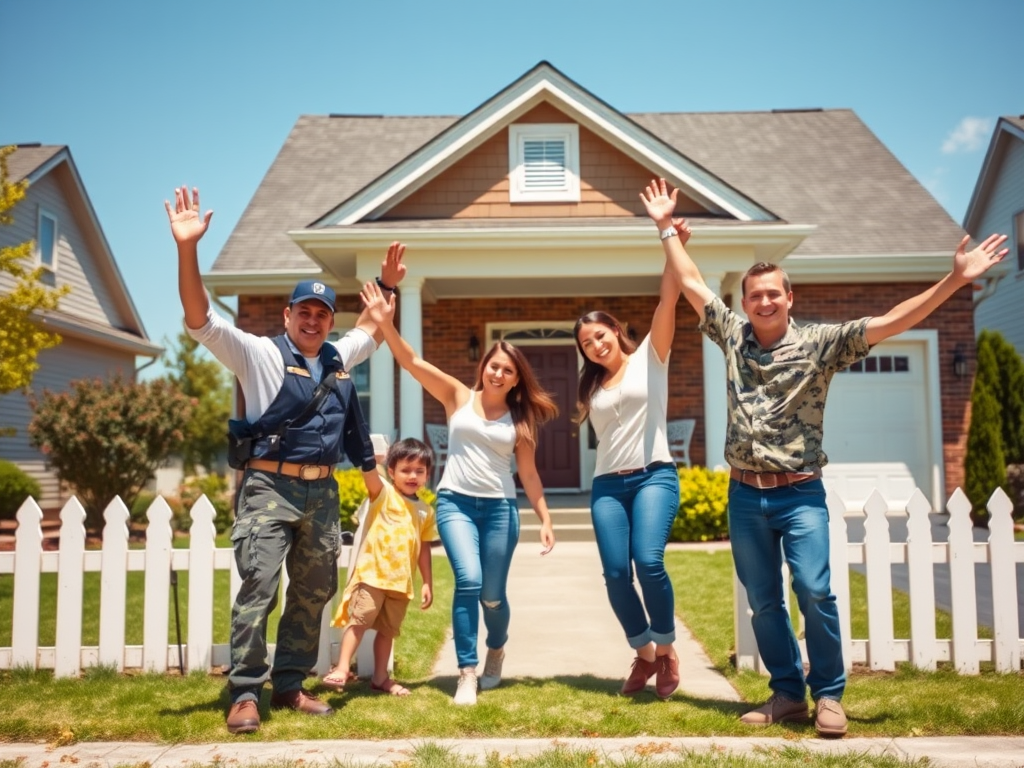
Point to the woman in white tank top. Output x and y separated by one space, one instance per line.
477 515
623 390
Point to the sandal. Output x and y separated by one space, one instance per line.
389 686
336 680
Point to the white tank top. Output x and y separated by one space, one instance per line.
630 418
479 454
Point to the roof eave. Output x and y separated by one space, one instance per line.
1003 132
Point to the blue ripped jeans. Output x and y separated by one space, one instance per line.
479 537
762 525
632 516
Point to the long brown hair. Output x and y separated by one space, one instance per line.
529 404
591 373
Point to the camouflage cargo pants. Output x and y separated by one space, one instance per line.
281 520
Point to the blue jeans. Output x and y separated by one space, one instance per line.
796 518
632 516
479 536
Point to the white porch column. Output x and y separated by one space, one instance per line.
410 392
382 391
715 403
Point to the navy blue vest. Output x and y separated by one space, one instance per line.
320 437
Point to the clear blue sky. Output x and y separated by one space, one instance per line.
153 95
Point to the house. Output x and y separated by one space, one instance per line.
525 213
997 205
100 327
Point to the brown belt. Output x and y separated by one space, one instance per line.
765 480
308 472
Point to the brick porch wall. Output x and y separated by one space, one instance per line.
448 325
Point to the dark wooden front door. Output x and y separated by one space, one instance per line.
558 452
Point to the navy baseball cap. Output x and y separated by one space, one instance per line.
313 289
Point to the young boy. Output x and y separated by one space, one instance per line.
399 528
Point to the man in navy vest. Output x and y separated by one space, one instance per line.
287 503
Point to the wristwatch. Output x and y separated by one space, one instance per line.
667 233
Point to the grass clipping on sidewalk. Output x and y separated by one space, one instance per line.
104 705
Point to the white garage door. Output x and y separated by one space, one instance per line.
877 429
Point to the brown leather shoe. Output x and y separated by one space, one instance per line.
243 717
830 719
667 679
639 674
300 701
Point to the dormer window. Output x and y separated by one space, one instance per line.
544 163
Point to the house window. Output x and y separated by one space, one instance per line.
46 241
544 163
1018 233
361 373
880 364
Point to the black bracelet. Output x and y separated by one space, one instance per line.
384 287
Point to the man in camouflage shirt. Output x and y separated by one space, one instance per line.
778 377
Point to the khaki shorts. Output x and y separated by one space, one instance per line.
379 609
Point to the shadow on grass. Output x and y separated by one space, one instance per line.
594 685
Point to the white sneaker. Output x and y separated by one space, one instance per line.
492 669
466 692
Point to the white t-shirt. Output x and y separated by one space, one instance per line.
479 454
257 362
630 418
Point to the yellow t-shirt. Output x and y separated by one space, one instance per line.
396 526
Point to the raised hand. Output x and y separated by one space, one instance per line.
660 204
380 309
186 224
392 270
971 265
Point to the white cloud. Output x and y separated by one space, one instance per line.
969 136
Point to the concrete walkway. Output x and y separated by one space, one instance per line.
563 626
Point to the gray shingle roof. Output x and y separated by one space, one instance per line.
810 167
29 157
816 167
324 161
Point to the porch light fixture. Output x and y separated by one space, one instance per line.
474 348
959 361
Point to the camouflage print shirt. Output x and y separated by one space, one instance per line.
777 395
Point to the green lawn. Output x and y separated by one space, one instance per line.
106 706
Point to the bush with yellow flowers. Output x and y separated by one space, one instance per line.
352 491
703 505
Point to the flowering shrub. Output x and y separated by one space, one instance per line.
106 438
703 505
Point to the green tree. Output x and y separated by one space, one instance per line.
1010 394
207 384
984 463
21 339
107 438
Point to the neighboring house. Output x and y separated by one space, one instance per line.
100 327
525 213
997 205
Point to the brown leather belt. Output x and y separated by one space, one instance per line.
765 480
308 472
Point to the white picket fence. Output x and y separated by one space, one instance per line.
68 657
881 650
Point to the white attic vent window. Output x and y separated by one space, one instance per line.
544 162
